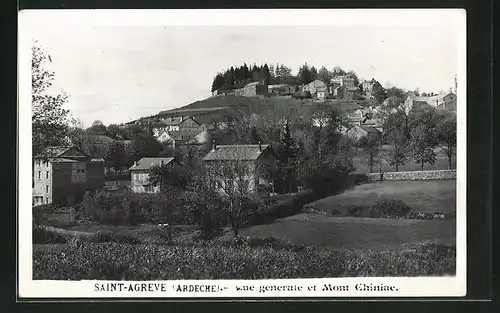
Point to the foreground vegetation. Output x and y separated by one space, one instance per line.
237 259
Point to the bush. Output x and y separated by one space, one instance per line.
389 208
291 205
39 212
234 260
327 180
128 208
44 236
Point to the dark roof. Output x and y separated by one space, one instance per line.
57 151
236 152
148 163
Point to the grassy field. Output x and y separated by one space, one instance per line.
355 233
421 196
360 162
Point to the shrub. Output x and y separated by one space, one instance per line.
389 208
128 208
327 180
39 212
289 206
44 236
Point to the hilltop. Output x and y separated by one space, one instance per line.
248 105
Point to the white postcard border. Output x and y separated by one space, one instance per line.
406 286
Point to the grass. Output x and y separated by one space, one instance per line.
355 233
421 196
118 261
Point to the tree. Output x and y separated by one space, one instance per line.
447 135
171 176
314 73
397 155
237 182
423 141
353 75
265 74
378 92
282 73
77 136
325 75
395 92
115 155
286 155
337 71
49 118
145 145
113 131
97 128
372 147
305 75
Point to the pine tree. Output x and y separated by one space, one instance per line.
265 74
286 155
304 74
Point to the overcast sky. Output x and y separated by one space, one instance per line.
120 73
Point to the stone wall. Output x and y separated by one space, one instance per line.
414 175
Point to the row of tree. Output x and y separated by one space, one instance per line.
412 135
238 77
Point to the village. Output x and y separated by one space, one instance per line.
270 163
193 128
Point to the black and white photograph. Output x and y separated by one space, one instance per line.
258 154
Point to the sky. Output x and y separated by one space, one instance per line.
120 73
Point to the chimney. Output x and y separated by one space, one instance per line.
213 145
135 163
260 146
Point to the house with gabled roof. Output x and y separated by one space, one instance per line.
247 167
62 175
140 171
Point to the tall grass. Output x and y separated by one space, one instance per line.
234 260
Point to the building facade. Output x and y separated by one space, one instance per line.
446 100
255 89
64 175
313 87
241 167
140 171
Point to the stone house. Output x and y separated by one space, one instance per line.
344 80
444 100
63 174
255 88
322 93
140 171
313 87
367 87
244 167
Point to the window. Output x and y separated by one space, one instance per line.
47 189
47 174
39 174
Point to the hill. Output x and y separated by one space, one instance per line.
247 105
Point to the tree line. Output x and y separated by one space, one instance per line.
239 76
